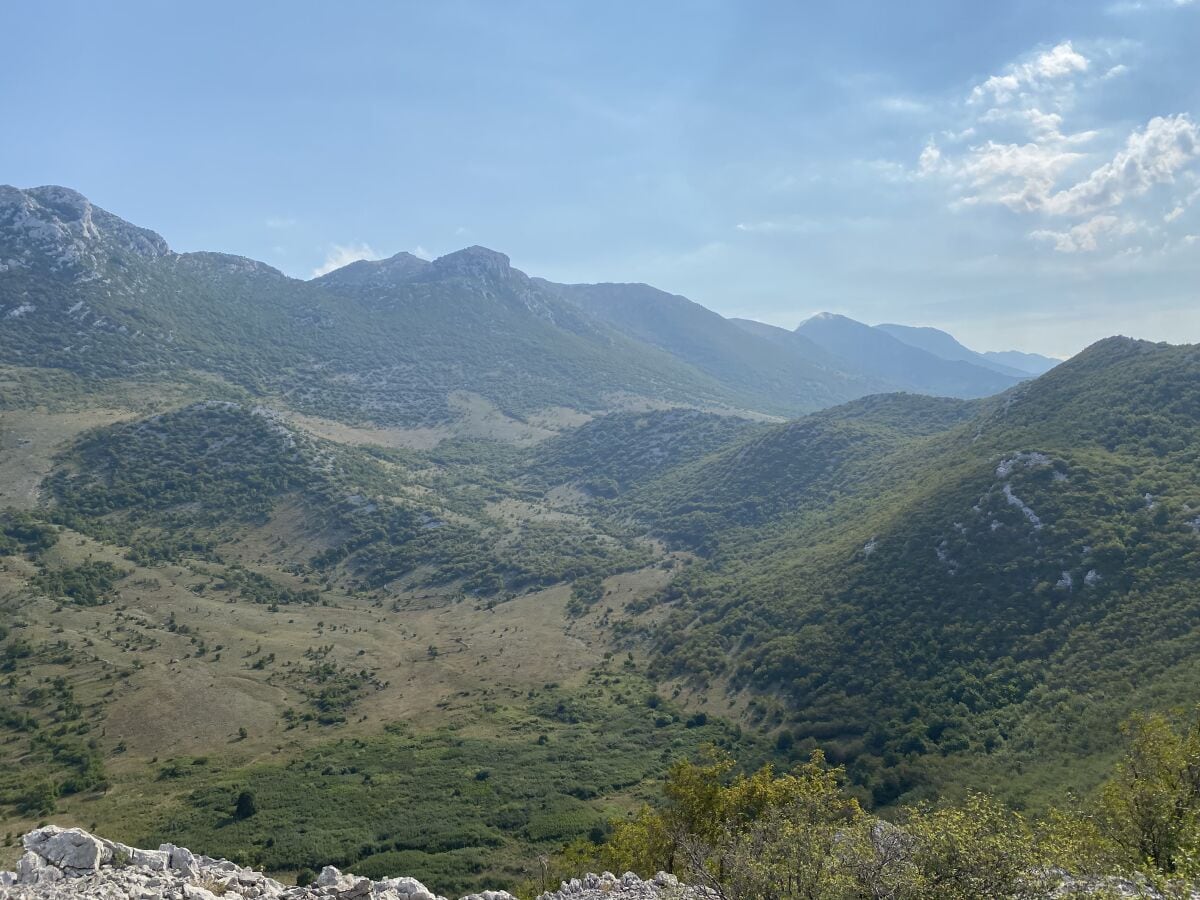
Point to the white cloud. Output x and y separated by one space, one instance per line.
1152 156
421 253
1182 206
1086 237
342 255
1051 65
930 161
1012 146
1018 176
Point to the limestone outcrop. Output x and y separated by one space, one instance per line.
61 863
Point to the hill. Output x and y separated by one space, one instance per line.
469 557
613 453
930 598
386 629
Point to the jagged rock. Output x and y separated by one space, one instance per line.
180 859
71 849
35 869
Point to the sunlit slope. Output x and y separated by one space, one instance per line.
902 594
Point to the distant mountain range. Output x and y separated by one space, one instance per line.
393 340
941 344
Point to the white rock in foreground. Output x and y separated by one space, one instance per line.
69 862
62 863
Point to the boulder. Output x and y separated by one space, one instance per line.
155 860
71 849
329 877
180 859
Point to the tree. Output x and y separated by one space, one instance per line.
979 849
1151 805
246 806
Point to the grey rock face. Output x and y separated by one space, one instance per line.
65 231
72 850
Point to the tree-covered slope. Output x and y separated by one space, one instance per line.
613 453
908 600
193 482
804 465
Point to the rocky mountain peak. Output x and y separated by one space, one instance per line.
376 273
60 228
473 262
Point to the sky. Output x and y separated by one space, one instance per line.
1024 174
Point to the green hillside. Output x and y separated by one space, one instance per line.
613 453
969 604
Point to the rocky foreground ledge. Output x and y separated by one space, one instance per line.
69 862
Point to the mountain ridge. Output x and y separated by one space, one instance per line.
913 368
385 341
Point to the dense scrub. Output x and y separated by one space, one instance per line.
455 807
801 835
910 593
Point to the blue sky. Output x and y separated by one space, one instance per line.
1024 174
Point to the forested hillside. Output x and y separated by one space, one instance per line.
916 597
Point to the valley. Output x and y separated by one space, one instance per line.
448 566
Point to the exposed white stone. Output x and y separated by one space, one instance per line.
1022 460
1020 504
70 849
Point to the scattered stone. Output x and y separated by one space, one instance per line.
62 863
